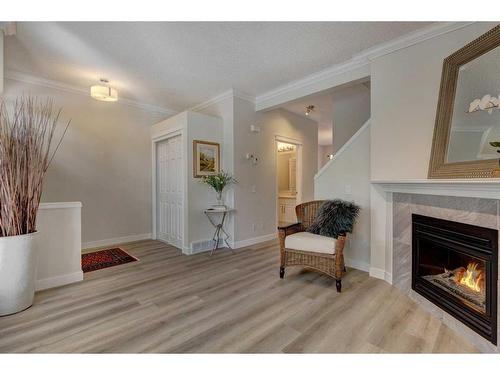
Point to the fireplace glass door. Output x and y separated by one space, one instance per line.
455 265
461 275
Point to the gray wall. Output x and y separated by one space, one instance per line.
104 162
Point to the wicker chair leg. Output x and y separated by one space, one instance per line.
282 272
338 283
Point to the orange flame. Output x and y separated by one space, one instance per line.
473 277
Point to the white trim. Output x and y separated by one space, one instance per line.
474 188
356 135
254 240
216 99
38 81
357 264
410 39
388 277
353 69
337 75
284 139
52 282
244 96
54 205
378 273
232 93
116 240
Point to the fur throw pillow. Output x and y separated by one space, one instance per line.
334 218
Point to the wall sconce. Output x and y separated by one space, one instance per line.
329 156
252 157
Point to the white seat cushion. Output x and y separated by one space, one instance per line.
306 241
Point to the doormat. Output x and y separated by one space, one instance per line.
105 258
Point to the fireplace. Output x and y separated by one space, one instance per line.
454 266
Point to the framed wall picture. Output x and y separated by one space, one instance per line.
206 158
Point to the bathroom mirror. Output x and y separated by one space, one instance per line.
467 126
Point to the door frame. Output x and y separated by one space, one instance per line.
298 182
171 133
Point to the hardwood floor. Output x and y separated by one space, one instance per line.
172 303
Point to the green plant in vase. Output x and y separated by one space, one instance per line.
218 182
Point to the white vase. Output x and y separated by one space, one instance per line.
18 260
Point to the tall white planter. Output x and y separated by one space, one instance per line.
18 260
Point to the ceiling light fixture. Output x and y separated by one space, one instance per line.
309 109
104 92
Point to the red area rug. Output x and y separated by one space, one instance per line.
105 258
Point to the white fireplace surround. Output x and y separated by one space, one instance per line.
381 207
387 210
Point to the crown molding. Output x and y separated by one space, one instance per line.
358 65
232 93
410 39
38 81
353 69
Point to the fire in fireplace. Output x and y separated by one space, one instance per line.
465 283
454 265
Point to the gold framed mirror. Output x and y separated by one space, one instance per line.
467 128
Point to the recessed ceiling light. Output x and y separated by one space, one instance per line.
104 92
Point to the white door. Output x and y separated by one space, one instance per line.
169 191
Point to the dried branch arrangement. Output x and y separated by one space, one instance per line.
26 139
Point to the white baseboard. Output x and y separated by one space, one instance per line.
116 240
359 265
52 282
379 273
388 277
254 240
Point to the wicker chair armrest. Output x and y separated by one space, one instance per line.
291 228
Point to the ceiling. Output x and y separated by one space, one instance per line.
179 64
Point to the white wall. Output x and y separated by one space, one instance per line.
104 162
351 109
404 94
59 244
347 177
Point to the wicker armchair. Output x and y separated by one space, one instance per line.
329 260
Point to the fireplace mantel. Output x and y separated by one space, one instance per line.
474 188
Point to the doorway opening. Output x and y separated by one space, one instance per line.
288 180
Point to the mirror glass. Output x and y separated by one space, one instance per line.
475 121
